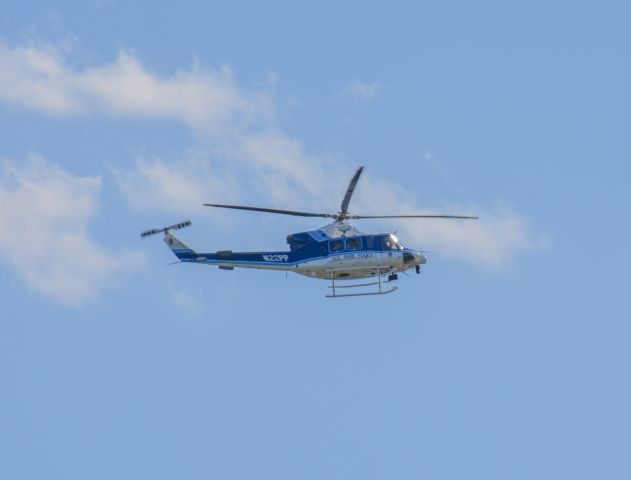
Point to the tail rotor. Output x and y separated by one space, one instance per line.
155 231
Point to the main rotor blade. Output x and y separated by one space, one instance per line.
350 190
271 210
463 217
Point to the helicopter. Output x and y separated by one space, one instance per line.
334 252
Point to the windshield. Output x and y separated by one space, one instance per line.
391 242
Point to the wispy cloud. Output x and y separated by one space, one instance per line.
39 77
266 166
284 169
153 184
45 213
490 242
363 90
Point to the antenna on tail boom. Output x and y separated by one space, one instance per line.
177 226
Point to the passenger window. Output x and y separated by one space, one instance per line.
336 245
370 243
353 243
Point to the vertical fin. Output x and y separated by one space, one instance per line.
177 246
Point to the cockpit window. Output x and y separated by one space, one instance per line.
354 243
391 242
336 245
396 242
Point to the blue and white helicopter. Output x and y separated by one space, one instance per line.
337 251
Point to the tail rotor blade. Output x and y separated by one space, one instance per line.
155 231
151 232
177 226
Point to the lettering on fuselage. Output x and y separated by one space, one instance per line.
351 256
275 258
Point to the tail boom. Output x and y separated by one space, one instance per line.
228 259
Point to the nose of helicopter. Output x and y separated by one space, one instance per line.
420 258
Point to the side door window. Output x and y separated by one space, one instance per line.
354 243
336 245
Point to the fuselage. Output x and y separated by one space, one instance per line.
332 252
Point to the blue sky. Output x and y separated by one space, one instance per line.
506 358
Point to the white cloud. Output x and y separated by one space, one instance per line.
284 170
44 211
365 91
39 77
267 166
491 241
154 184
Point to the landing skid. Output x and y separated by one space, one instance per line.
379 291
